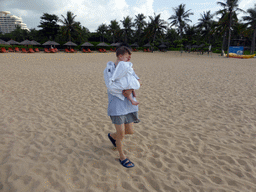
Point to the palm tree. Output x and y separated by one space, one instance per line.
191 33
157 25
205 24
252 22
180 18
140 23
113 28
221 27
69 24
231 6
102 29
127 23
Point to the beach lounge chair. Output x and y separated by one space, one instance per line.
23 50
56 50
111 50
36 50
30 50
52 50
89 50
73 51
3 50
145 50
46 50
16 49
104 50
67 51
85 51
10 49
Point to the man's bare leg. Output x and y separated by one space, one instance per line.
120 132
128 130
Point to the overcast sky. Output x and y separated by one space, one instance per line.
92 13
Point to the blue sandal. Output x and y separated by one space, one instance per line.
112 140
126 162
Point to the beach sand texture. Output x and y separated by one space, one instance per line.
197 130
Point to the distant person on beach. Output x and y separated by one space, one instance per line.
121 111
123 78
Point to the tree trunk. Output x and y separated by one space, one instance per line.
253 42
223 43
229 33
114 37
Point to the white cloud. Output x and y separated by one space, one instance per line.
143 6
91 14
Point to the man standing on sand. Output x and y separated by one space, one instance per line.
122 113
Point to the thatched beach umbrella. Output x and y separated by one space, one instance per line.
147 45
51 43
35 42
103 44
162 46
26 42
134 45
113 44
54 43
70 43
2 42
87 44
12 42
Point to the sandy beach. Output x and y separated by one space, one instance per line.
197 131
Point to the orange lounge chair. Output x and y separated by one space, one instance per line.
30 50
111 49
100 50
148 50
46 50
10 49
23 50
56 50
36 50
52 50
104 50
3 50
89 50
85 51
145 50
67 51
73 51
16 49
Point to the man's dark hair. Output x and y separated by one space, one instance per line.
122 50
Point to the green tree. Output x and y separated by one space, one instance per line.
127 24
221 27
102 29
251 21
231 6
205 25
157 26
191 34
113 29
139 23
70 26
49 25
180 18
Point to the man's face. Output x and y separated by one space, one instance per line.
126 57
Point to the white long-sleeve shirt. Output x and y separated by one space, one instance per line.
123 79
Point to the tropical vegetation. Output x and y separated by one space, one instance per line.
174 33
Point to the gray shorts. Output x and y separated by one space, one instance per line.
125 119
